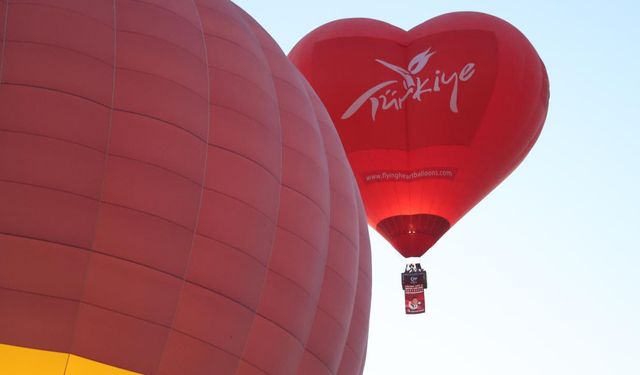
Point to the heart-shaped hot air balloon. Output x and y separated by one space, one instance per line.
173 198
432 119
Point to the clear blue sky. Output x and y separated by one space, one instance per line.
542 277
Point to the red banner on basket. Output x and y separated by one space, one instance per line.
414 299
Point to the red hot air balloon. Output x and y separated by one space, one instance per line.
432 119
173 198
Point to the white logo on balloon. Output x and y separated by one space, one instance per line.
413 85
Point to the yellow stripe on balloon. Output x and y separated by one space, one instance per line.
16 360
82 366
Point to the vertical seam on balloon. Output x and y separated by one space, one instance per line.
4 38
243 20
408 185
359 208
320 135
357 283
106 156
330 227
419 200
66 364
202 190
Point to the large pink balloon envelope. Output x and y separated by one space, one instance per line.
173 198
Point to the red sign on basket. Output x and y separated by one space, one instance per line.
414 299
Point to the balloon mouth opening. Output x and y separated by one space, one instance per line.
413 235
